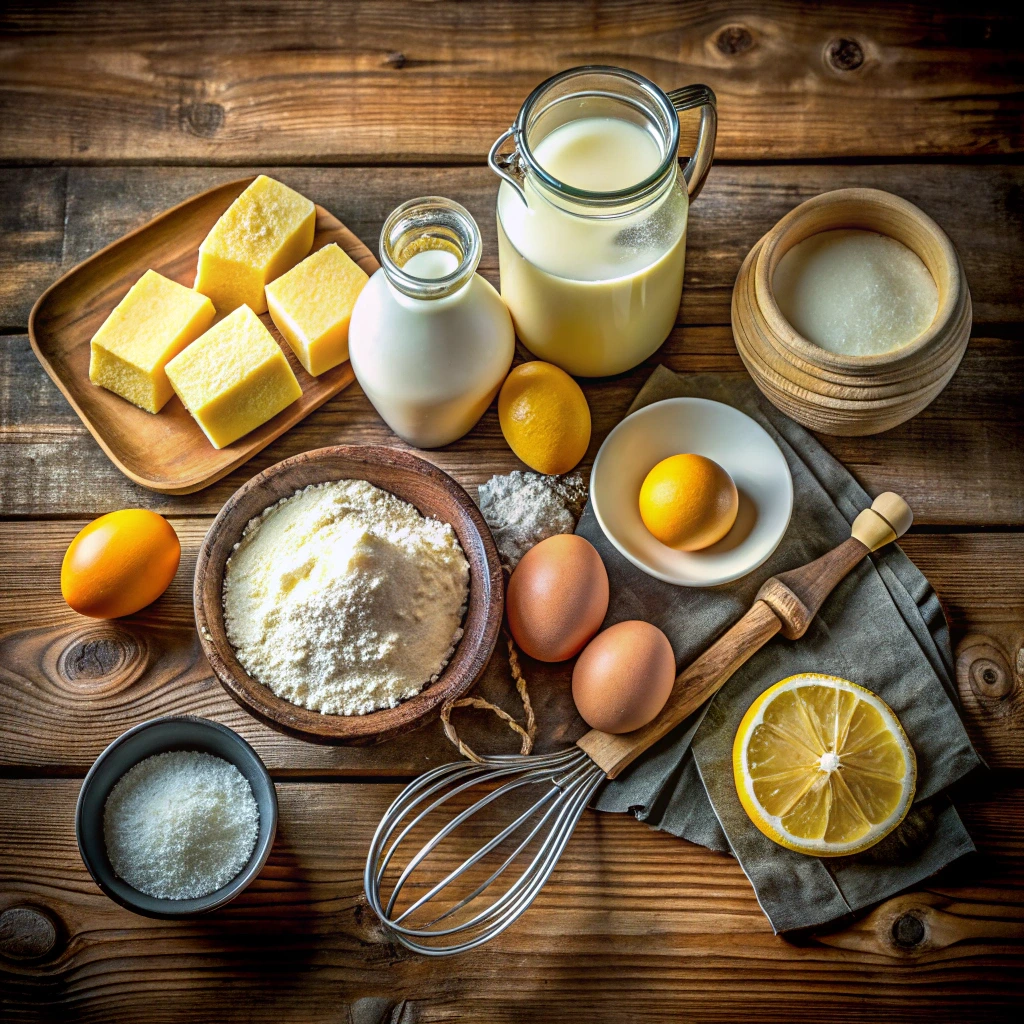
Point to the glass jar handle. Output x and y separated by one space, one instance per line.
509 166
689 98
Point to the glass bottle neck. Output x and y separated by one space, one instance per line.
430 247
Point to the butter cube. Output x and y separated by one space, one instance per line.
263 233
312 305
146 329
233 378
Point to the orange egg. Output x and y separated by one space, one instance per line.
688 502
557 597
119 563
624 677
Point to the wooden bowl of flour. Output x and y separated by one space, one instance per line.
436 495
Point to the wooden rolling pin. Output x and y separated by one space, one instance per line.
785 604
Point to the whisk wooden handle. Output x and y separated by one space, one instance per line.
785 603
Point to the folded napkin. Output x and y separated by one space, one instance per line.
882 627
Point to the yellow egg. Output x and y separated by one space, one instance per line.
119 563
545 417
688 502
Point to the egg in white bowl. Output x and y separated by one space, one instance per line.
742 447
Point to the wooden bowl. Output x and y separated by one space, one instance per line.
843 394
420 483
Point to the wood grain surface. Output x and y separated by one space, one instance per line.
682 918
393 82
54 217
113 111
55 665
959 463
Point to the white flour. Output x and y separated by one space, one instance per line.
522 509
344 599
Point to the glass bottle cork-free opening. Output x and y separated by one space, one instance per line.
430 225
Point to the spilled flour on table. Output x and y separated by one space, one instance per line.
522 509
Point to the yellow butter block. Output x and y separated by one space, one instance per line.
312 305
263 233
146 329
234 378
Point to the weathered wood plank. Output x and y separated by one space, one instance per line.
633 925
57 667
959 463
31 238
55 218
317 82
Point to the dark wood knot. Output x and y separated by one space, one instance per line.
395 59
908 931
26 933
103 656
982 664
734 39
844 54
203 119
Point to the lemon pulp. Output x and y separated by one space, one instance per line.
822 766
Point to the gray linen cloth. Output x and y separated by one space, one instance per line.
882 627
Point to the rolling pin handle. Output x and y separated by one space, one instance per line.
796 596
887 520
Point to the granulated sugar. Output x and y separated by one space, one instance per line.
180 825
344 599
855 292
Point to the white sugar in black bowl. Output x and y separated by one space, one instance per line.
160 736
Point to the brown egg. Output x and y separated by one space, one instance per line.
557 597
623 678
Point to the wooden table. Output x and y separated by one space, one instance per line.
113 112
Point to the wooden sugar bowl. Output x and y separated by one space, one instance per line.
842 394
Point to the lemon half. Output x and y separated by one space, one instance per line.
823 766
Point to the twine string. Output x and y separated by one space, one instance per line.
527 734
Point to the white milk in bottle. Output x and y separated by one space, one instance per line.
430 340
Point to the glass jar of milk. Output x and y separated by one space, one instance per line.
592 215
430 340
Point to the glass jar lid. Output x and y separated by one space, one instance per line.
601 91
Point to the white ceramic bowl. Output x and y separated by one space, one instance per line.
720 432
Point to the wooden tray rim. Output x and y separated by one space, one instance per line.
192 484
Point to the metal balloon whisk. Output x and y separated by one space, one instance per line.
521 853
442 901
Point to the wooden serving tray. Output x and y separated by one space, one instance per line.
166 452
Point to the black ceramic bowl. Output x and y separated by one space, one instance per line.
158 736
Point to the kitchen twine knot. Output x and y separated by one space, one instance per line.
527 734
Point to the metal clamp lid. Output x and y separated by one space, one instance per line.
691 97
512 166
508 166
